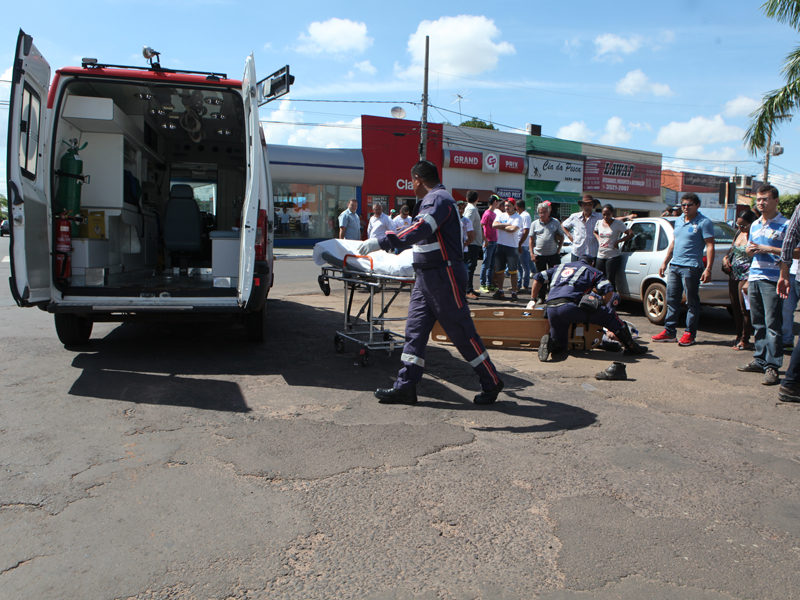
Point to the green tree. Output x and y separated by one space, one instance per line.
3 207
478 123
787 204
779 103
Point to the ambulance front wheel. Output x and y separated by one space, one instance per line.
73 330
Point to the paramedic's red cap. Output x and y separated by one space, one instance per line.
512 201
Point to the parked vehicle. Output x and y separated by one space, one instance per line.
4 228
139 192
643 255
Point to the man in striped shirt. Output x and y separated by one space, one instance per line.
766 306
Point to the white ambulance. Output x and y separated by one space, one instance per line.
174 211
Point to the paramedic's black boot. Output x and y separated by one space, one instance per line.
626 339
397 396
544 348
616 372
489 396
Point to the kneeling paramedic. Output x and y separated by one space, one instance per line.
566 305
441 278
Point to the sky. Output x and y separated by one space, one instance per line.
677 78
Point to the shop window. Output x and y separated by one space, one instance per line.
309 210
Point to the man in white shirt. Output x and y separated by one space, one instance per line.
403 220
525 262
507 254
305 215
379 222
475 247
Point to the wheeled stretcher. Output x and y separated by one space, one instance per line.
369 327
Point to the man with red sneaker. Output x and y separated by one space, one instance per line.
693 233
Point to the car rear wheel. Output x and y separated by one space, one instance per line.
73 330
655 303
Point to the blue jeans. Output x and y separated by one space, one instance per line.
680 281
526 267
789 306
487 266
766 313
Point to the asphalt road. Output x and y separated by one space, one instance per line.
178 461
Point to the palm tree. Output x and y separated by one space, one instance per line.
777 104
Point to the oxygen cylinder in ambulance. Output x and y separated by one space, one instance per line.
70 179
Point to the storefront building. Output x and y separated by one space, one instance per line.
312 185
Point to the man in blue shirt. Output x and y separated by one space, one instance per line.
766 306
693 233
569 283
349 223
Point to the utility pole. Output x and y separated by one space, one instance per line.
766 157
423 130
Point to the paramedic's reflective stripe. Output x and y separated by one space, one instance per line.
577 276
602 282
426 247
414 360
556 273
428 218
474 363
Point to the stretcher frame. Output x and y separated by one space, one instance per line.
368 327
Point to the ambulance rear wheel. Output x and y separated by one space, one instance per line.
73 330
255 324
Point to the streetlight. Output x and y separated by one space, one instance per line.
772 149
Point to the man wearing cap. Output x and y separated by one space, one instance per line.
579 228
569 284
438 294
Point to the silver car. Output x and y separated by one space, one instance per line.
643 255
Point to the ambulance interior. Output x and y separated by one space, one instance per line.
166 169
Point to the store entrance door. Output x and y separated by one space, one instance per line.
410 200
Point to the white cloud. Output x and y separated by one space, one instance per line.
698 131
666 37
636 82
577 131
460 46
615 133
571 47
640 126
609 46
334 36
267 47
339 134
278 131
699 153
366 67
741 106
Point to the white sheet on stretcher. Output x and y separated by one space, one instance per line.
383 263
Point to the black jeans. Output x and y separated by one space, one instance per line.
609 267
542 264
471 257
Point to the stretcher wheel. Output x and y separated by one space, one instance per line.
364 357
324 285
338 344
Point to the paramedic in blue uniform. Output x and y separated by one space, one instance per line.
438 294
568 284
